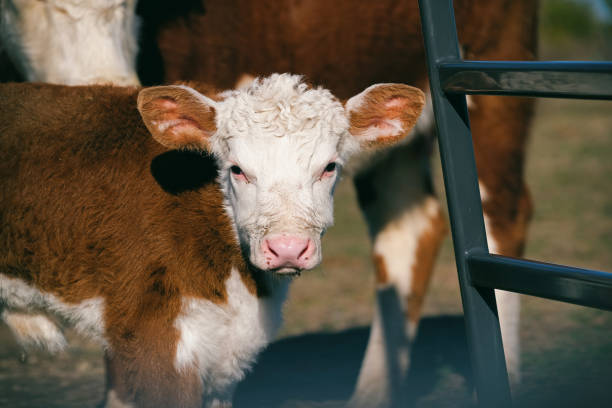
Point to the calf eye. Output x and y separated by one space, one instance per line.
329 170
238 174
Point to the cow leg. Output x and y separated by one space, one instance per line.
150 382
499 130
141 356
407 226
500 127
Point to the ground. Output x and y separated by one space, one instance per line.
567 350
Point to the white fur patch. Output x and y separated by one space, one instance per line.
398 248
484 195
35 330
281 106
282 134
222 341
72 42
22 299
389 128
113 401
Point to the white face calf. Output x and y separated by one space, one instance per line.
280 145
71 42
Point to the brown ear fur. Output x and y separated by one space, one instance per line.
176 117
378 106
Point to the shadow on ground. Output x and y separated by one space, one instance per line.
323 367
320 370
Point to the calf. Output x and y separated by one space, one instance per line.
171 242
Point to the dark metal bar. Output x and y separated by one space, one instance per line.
460 180
558 282
583 80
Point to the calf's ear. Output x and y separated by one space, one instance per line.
383 114
178 116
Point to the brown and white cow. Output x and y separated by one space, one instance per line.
171 241
347 44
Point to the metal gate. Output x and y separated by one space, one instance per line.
451 78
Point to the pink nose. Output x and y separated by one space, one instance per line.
288 251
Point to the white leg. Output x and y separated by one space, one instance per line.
407 226
508 307
387 354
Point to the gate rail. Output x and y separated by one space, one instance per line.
451 78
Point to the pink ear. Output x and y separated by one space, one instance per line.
177 116
383 114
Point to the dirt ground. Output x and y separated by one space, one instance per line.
567 350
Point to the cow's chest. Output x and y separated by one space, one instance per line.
222 341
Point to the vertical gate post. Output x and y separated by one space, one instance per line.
467 224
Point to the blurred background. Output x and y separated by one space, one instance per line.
567 350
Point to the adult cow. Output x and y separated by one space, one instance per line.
347 44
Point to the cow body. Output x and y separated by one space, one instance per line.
347 45
144 243
148 274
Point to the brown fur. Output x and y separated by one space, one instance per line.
192 125
346 46
407 103
349 45
428 246
94 207
380 269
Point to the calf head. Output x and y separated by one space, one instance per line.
280 145
71 42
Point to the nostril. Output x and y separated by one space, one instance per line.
306 251
303 251
269 248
